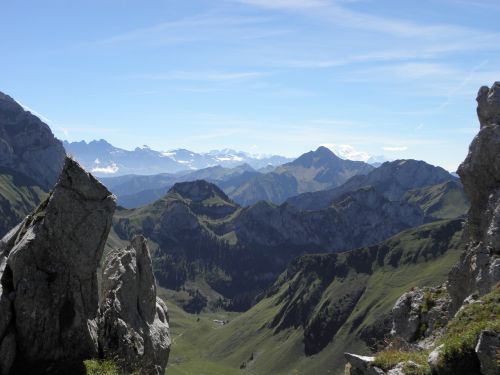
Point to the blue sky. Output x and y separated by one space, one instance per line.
389 77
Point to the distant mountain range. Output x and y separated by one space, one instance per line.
312 181
103 159
391 179
313 171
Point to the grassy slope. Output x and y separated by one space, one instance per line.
19 195
221 350
442 201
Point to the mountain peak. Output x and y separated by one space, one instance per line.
320 156
198 191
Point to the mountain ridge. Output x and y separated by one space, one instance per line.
103 159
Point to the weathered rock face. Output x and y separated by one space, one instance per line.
28 145
487 349
48 266
418 314
479 266
133 323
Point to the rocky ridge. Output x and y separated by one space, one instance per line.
241 250
28 145
433 318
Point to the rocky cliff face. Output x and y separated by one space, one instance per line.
479 267
133 322
28 145
467 342
49 267
49 291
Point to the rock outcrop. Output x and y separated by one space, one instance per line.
50 317
473 281
419 314
27 145
487 349
362 365
133 322
479 266
48 274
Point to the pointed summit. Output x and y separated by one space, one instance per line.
198 191
321 156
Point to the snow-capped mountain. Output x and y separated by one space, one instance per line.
104 159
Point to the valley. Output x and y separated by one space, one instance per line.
283 282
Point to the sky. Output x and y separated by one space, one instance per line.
380 77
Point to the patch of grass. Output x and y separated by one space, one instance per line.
463 331
101 367
388 359
428 302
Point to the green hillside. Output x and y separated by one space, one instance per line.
199 233
442 201
322 304
19 195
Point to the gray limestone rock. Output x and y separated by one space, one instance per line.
487 349
479 267
488 109
420 313
49 270
362 365
133 322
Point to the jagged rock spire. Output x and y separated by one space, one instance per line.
48 269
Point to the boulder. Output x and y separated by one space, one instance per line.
406 315
417 315
487 349
434 358
48 269
133 322
404 368
362 365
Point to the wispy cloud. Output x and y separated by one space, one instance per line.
199 28
286 4
212 76
334 11
463 83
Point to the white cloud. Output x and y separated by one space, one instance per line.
347 152
110 169
395 148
